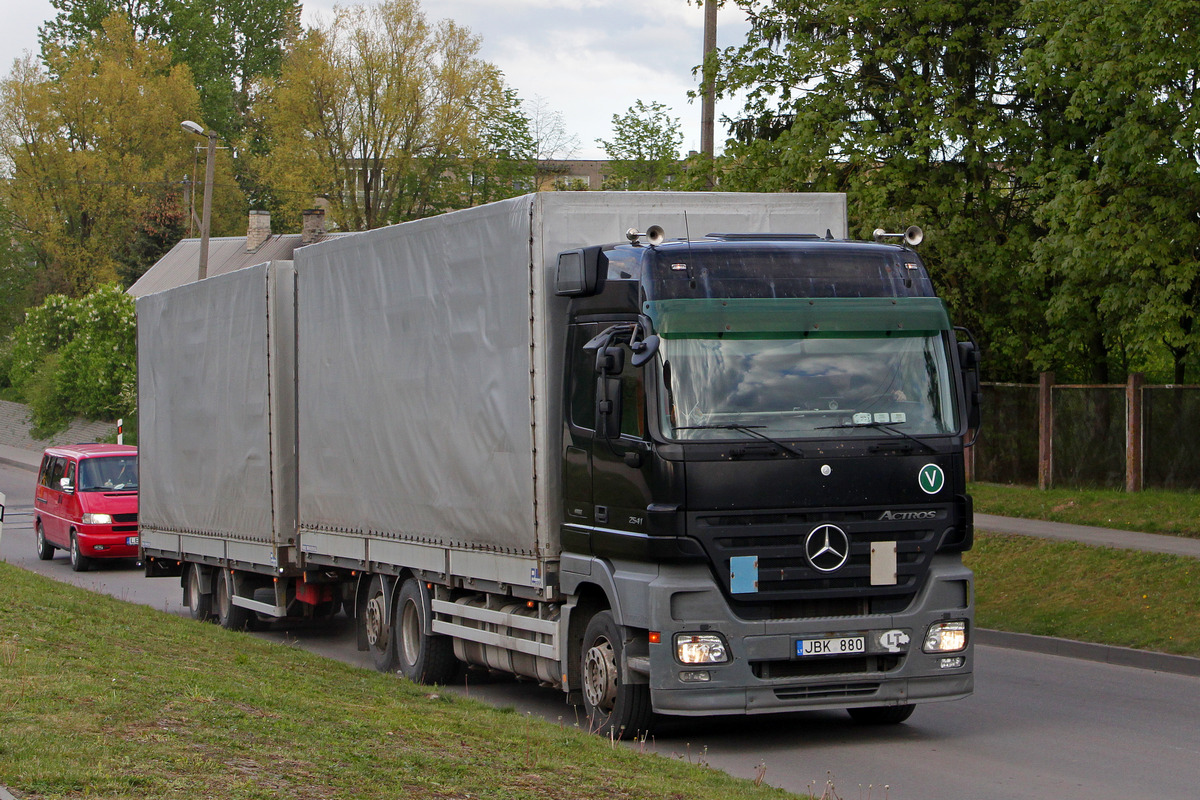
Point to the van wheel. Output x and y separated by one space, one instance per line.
200 603
45 550
377 618
614 708
881 715
229 616
79 562
423 658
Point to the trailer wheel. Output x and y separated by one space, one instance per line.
200 603
45 550
377 616
613 708
423 658
229 616
881 715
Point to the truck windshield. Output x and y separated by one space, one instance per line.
813 387
108 474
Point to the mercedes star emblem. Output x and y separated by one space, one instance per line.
827 548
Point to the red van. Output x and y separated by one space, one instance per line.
86 503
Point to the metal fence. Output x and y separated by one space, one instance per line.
1129 436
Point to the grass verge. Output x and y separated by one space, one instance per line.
1152 511
1092 594
106 699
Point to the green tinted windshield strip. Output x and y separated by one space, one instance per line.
760 317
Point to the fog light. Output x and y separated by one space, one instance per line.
946 637
700 648
694 677
97 519
100 547
952 663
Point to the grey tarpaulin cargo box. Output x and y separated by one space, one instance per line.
216 395
430 370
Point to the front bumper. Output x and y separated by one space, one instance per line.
764 674
101 541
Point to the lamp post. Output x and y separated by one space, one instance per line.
206 215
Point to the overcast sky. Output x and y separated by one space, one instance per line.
588 59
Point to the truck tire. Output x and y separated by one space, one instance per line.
200 603
229 616
377 617
45 550
422 658
614 708
79 562
881 715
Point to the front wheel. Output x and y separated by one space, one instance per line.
881 715
614 708
45 550
79 562
422 658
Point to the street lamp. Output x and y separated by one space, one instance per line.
206 215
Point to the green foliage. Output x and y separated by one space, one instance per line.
77 358
1049 151
644 150
228 45
91 140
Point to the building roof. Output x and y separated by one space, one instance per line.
181 264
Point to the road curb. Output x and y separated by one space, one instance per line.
12 462
4 795
1086 651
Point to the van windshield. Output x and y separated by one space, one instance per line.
108 474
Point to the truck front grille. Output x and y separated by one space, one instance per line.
789 586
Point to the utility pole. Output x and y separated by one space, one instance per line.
708 79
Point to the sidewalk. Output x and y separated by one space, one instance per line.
1099 537
20 457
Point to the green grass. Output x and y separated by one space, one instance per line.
1154 511
1093 594
106 699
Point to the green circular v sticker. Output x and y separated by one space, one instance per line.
931 479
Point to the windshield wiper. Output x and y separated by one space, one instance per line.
750 429
886 426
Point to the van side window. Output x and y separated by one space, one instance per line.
71 473
56 471
44 472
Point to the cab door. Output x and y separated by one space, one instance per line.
607 490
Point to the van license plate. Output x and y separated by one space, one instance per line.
131 540
832 646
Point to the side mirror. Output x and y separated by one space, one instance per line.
610 361
608 407
65 484
968 362
578 272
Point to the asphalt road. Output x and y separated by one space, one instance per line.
1038 726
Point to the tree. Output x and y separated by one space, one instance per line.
503 163
1114 86
229 45
77 358
644 150
373 110
90 148
910 110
